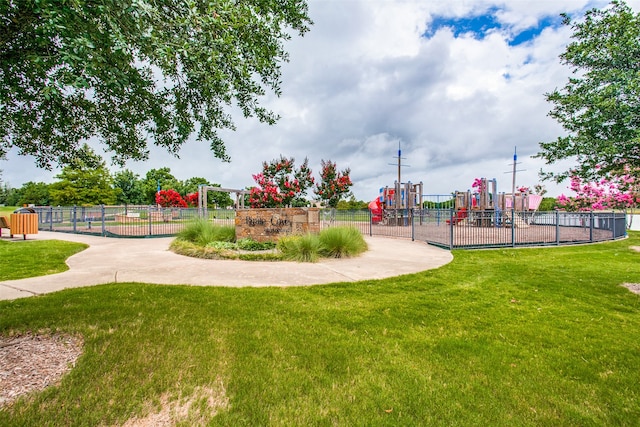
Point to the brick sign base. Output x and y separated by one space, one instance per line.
268 225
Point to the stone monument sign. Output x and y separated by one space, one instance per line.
269 224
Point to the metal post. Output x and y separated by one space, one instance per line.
558 228
410 213
613 227
513 227
591 219
370 223
149 215
51 218
104 227
74 219
451 211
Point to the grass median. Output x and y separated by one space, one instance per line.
543 336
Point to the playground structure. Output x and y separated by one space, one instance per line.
392 205
483 207
486 207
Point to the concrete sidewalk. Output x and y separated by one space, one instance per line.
109 260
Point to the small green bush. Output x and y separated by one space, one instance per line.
341 242
252 245
222 245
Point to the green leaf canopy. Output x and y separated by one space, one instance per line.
600 105
136 70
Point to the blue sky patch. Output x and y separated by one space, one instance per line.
479 26
533 32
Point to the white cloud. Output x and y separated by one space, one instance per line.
365 79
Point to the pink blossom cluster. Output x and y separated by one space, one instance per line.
170 199
279 184
478 185
266 194
191 199
619 192
334 184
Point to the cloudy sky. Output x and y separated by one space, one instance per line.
457 84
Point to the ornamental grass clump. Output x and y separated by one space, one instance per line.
341 242
202 239
203 232
300 248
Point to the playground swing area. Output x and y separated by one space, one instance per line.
485 218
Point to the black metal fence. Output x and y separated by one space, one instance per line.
486 229
441 227
124 221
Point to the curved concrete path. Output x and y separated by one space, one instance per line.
109 260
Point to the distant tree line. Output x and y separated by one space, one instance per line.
86 181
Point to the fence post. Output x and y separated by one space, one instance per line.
50 218
104 227
557 228
591 220
410 212
513 227
451 210
74 219
370 223
613 226
149 217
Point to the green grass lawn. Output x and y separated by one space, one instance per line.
7 210
22 259
539 337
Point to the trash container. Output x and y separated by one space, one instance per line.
24 223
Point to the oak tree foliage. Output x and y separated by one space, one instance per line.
133 71
599 107
85 181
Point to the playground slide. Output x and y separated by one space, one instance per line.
376 211
534 202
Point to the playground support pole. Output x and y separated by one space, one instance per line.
513 177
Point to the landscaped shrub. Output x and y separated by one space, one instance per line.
203 239
203 232
300 248
252 245
341 242
222 245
